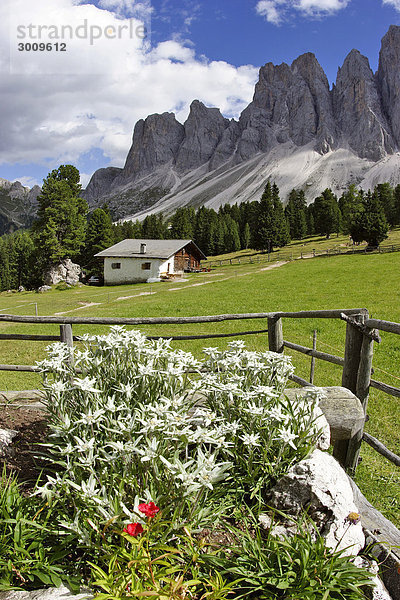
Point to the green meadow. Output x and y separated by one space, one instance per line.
359 281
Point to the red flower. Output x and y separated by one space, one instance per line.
133 529
150 509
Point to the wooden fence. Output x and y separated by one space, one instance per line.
361 333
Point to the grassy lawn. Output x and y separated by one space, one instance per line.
342 282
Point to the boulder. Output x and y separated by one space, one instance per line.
319 485
66 271
44 288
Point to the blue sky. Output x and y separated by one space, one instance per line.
234 31
80 106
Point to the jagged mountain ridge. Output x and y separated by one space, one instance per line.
296 130
18 205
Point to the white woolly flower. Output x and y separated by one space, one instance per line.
86 385
90 418
84 445
250 439
58 387
254 409
286 437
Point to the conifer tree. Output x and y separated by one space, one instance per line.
264 230
246 237
370 223
327 214
231 235
280 229
61 224
183 224
295 212
349 204
99 236
154 228
385 194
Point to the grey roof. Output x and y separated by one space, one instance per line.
154 248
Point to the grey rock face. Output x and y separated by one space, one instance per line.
313 115
156 141
203 130
101 183
388 78
18 205
378 591
227 145
290 103
358 109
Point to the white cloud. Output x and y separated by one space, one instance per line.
275 11
271 10
394 3
28 181
127 8
58 106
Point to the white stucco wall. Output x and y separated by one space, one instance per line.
131 269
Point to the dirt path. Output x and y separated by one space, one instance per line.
274 265
84 305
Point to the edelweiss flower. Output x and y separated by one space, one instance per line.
287 437
250 439
91 417
86 385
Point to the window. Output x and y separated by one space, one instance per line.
115 265
146 266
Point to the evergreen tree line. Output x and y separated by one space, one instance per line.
65 229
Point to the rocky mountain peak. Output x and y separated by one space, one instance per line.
156 141
203 130
358 109
388 78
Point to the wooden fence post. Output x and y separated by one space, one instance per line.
275 334
66 336
312 368
362 393
356 377
352 356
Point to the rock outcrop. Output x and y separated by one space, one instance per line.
66 271
156 141
203 131
358 109
290 103
388 79
319 486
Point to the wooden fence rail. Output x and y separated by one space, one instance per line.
357 361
